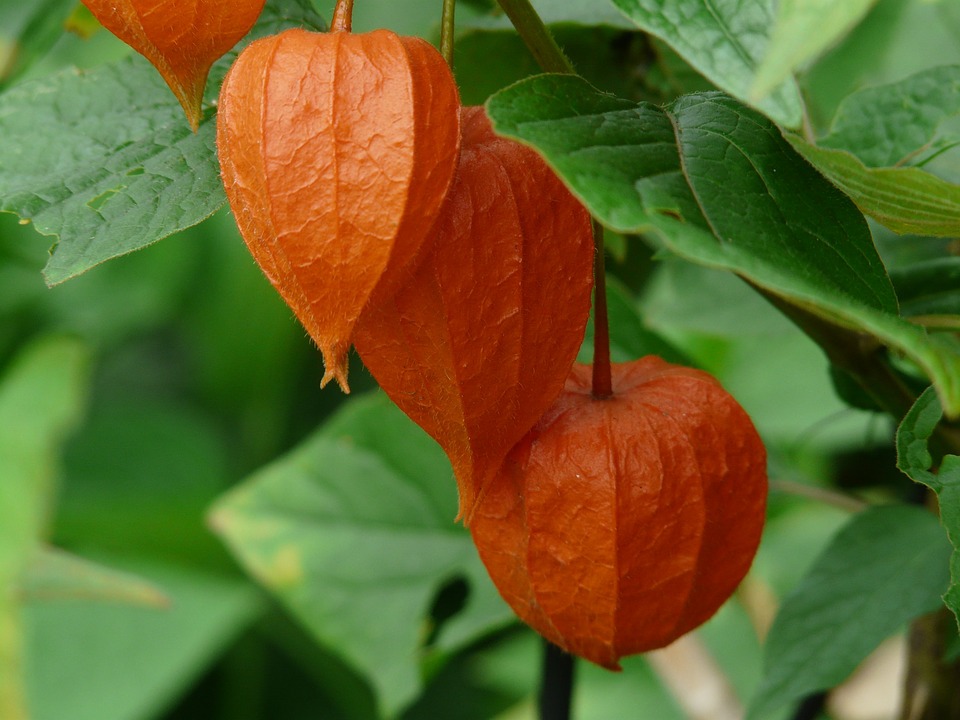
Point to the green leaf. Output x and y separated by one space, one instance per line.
884 568
117 662
105 160
354 532
914 458
907 200
43 28
891 125
145 499
41 396
876 133
718 184
804 29
53 575
724 40
929 287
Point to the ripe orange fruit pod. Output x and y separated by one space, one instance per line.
479 342
617 525
337 150
182 38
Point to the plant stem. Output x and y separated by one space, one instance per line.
811 707
556 686
342 16
847 503
602 383
930 688
536 37
447 28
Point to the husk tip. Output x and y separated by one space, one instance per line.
336 369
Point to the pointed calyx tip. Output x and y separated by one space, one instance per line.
336 371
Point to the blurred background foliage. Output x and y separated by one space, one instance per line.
191 375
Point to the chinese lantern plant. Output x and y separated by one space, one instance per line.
478 343
621 522
181 39
337 150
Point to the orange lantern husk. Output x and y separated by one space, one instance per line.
181 39
476 346
337 151
617 525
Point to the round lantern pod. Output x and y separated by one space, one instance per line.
619 524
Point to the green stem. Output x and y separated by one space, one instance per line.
536 37
602 383
342 16
447 28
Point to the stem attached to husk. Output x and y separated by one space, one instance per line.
550 57
342 16
602 383
447 29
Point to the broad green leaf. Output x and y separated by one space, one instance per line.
354 532
718 184
151 498
116 662
55 575
877 133
930 287
104 159
907 200
724 40
803 30
41 396
894 124
914 458
884 568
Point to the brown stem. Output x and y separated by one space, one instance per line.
930 688
342 16
602 383
447 28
